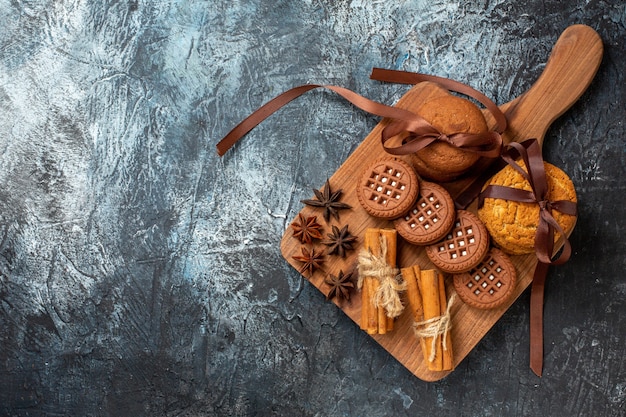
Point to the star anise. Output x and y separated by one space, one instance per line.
311 260
339 241
306 228
329 201
340 285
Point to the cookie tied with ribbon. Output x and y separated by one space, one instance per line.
454 125
413 130
529 205
542 201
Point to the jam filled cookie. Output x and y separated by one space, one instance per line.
430 218
388 188
463 248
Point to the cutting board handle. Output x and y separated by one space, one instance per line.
575 59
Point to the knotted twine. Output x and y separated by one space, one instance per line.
387 294
434 327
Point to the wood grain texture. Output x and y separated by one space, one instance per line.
574 61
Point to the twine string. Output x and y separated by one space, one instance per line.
434 327
387 294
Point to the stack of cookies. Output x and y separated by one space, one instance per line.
440 161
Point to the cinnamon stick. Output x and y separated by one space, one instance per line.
426 294
374 319
365 306
390 235
372 243
390 323
372 316
428 282
382 320
447 357
414 297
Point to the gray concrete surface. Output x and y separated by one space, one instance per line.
140 274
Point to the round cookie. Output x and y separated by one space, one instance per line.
463 248
430 218
488 285
449 114
512 224
388 188
426 171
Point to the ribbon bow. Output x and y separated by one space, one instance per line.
535 174
421 133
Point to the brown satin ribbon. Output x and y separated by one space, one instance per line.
530 152
420 132
279 101
488 144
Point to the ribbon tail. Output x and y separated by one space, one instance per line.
281 100
259 115
536 318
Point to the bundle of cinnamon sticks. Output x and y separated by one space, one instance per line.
426 293
377 267
381 283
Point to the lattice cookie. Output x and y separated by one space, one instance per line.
388 188
430 218
490 283
464 247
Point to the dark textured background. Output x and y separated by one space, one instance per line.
140 274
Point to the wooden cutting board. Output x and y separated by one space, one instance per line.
572 65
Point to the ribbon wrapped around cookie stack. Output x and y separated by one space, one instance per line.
528 207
